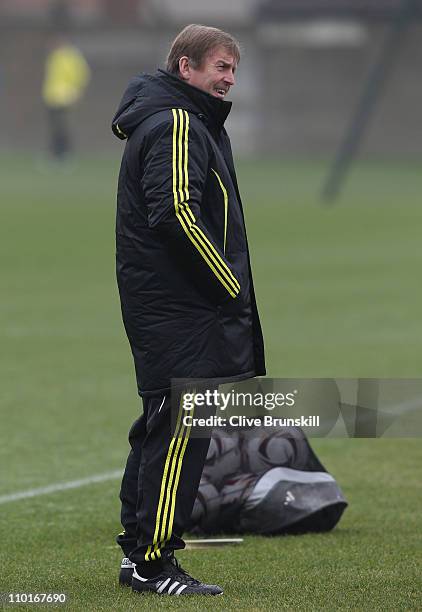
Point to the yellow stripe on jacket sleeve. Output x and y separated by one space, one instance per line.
183 212
185 205
187 218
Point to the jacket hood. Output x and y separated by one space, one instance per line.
148 94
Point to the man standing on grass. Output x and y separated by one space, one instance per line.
185 286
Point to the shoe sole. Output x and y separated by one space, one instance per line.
144 592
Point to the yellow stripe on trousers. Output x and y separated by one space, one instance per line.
172 489
176 483
183 212
166 480
169 486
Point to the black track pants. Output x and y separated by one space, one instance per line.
161 478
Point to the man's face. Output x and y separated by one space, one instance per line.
216 75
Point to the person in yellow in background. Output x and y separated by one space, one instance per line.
66 76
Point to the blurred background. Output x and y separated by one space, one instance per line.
303 70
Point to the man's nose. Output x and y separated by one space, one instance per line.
229 79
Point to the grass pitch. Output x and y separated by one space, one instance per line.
339 295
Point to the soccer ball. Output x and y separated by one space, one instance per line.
223 457
263 449
207 505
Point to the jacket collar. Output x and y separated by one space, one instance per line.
214 110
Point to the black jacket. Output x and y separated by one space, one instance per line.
183 267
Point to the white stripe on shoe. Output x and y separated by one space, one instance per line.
163 585
180 589
173 586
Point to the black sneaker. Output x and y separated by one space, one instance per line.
126 571
172 580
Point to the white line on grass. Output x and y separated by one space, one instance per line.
61 486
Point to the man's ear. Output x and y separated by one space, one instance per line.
184 68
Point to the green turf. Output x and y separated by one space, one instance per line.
339 294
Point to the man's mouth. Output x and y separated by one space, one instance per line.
220 92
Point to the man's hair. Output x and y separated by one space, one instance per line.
196 42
